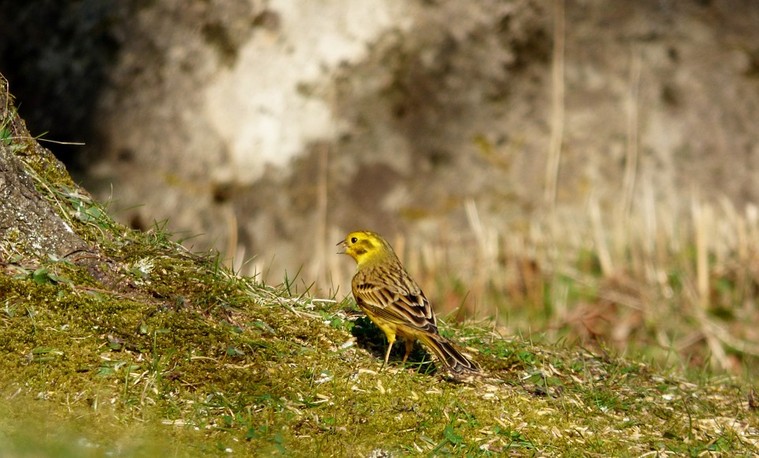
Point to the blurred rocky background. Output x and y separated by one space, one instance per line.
576 167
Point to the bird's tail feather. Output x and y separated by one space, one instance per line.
448 353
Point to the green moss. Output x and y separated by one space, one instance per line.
136 347
176 346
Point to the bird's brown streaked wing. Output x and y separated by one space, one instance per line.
397 305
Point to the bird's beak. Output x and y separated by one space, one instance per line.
342 246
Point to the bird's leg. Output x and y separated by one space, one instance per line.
409 346
387 353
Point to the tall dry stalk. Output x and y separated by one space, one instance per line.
317 268
557 105
631 149
702 216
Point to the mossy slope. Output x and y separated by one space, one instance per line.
132 346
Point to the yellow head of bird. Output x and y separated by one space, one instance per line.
363 246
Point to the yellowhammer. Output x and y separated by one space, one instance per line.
395 303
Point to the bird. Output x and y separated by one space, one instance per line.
395 303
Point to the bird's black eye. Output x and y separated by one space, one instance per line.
354 239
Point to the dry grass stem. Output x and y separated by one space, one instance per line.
557 105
